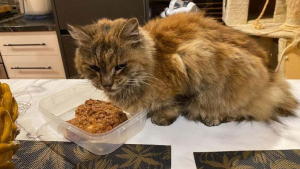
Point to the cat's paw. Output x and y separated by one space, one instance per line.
211 122
161 121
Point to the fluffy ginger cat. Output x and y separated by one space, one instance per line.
185 64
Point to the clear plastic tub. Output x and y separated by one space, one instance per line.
60 107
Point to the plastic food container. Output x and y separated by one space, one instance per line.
60 107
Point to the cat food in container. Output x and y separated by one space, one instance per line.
60 107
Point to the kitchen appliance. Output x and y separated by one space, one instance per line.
35 7
179 6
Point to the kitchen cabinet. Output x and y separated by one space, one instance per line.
31 55
69 46
82 13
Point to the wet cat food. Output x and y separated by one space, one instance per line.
97 116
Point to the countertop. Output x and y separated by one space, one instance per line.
185 137
20 24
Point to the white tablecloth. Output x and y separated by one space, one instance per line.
185 137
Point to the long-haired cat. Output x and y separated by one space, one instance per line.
185 64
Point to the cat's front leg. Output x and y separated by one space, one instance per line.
164 117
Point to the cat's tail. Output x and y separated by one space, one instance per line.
288 103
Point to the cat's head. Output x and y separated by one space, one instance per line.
116 55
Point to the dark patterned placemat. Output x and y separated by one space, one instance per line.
65 155
270 159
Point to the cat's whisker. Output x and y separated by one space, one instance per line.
148 76
153 80
152 76
140 81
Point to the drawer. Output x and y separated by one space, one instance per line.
29 43
36 67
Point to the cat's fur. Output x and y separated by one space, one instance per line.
185 64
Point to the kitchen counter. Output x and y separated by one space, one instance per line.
185 137
19 24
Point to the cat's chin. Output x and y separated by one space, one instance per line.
111 92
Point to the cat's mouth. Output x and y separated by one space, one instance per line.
106 90
110 90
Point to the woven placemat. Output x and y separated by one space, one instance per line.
65 155
271 159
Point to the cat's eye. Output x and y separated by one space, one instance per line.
95 68
120 67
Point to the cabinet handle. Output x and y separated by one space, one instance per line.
38 44
17 67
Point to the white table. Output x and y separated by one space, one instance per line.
184 136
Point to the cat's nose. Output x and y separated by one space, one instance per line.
107 86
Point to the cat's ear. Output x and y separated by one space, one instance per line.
130 31
79 35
